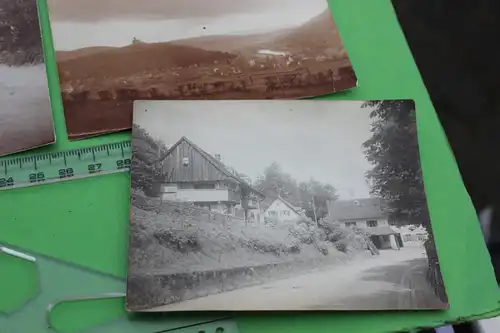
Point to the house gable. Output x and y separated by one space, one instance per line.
279 206
185 163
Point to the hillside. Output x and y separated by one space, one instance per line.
177 237
137 58
67 55
230 43
316 35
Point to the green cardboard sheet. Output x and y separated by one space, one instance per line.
83 223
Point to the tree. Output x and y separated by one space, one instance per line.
316 195
393 151
146 152
20 41
275 182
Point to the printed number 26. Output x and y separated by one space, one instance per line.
122 164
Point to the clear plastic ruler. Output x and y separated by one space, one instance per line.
43 294
51 167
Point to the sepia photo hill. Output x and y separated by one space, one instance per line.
316 34
101 76
130 60
95 62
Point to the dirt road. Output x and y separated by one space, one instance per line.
395 279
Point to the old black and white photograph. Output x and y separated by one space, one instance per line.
25 111
279 205
112 52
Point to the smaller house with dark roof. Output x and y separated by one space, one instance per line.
188 173
283 211
369 215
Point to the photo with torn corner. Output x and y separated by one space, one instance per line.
112 52
279 205
25 111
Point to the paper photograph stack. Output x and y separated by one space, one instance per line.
279 205
25 111
110 54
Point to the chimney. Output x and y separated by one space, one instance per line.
218 158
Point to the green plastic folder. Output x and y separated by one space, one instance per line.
77 230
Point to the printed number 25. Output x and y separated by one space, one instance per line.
122 164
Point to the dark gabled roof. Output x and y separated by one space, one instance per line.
215 162
289 205
366 208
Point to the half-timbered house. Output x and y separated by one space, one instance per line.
188 173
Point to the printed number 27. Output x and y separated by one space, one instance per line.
94 168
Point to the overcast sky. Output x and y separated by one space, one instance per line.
318 139
77 24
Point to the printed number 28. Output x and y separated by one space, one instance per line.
123 164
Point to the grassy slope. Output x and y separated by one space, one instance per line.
170 241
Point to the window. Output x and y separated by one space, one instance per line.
371 223
350 224
286 213
272 213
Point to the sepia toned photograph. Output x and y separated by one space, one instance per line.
279 205
112 52
25 112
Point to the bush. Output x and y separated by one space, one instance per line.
322 248
270 221
345 239
294 248
302 233
336 235
180 241
341 245
263 247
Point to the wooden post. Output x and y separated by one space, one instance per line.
314 211
258 215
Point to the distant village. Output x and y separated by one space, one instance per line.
271 70
190 174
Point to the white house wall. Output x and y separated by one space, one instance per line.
283 212
363 223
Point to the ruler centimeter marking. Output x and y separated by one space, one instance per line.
18 172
